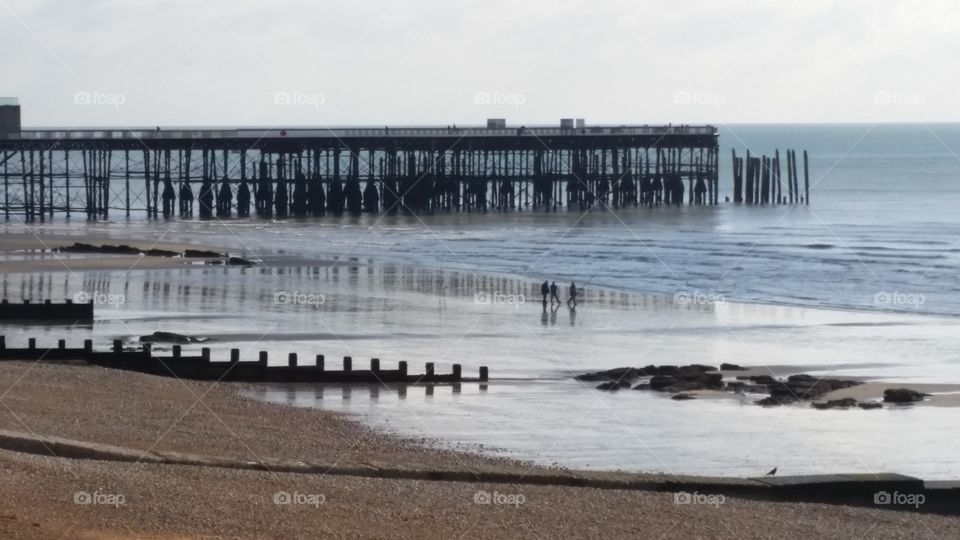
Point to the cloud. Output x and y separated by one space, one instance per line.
219 62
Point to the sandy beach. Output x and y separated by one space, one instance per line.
166 502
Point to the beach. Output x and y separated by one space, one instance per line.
154 501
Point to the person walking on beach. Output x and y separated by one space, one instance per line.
544 291
572 301
553 293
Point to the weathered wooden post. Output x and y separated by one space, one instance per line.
205 354
806 178
62 344
88 346
145 350
430 371
177 352
292 360
347 364
234 356
402 368
320 362
3 342
484 374
262 359
375 365
457 372
117 346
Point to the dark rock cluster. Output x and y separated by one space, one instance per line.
679 380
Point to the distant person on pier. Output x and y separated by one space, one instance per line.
553 293
572 301
544 291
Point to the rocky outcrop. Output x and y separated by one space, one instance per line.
613 386
680 380
731 367
902 395
169 337
201 253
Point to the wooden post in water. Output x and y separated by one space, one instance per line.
806 178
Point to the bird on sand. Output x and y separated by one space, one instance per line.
772 472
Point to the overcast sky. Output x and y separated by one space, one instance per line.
322 62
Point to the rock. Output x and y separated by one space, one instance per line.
683 386
79 247
642 386
731 367
682 397
660 382
613 386
168 337
902 395
702 367
870 405
160 253
238 261
844 403
200 253
802 377
690 373
762 379
87 248
714 381
673 371
615 374
772 401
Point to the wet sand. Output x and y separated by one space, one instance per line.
167 501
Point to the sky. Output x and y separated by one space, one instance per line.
438 62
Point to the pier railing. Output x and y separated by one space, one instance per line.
365 132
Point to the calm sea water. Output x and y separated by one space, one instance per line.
880 241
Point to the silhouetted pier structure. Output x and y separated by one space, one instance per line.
308 172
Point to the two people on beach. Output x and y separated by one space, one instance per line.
552 290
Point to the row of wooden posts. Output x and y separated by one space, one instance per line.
201 367
757 180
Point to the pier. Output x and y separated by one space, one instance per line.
276 172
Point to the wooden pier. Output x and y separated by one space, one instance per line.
143 360
220 173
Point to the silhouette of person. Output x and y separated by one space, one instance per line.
553 293
544 291
572 301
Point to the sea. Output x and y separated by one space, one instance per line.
862 282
